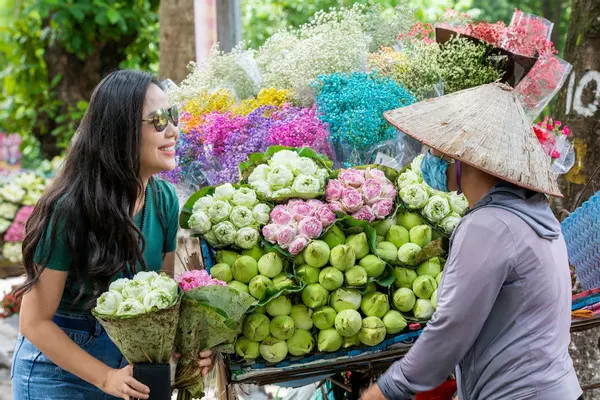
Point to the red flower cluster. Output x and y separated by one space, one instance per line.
542 81
490 33
11 304
547 131
528 35
420 32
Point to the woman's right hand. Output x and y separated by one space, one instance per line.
120 383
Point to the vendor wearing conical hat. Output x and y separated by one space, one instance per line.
504 302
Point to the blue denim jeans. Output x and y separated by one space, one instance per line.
35 377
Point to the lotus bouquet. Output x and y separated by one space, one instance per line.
211 314
298 222
289 174
228 216
443 210
8 210
366 195
16 232
140 316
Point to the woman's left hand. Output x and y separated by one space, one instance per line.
204 360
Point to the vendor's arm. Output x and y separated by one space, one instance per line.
482 255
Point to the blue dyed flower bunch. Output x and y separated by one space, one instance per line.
353 106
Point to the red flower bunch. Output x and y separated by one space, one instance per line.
528 35
547 131
420 32
490 33
11 304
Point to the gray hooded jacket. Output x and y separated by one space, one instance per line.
504 308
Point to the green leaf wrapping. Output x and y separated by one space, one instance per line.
209 316
151 334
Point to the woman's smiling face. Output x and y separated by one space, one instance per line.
157 152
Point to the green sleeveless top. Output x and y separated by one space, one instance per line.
159 240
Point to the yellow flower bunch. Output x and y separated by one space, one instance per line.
194 110
388 62
266 97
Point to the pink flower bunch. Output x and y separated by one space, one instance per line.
547 131
16 231
296 223
528 35
192 279
367 195
419 32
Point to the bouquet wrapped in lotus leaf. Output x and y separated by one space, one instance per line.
140 316
211 314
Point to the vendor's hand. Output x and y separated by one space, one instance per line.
204 360
373 393
121 383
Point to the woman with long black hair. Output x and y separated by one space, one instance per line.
105 216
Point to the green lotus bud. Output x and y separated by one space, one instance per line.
373 265
431 267
260 310
404 277
348 323
371 287
273 350
404 299
387 252
382 227
308 274
244 269
246 348
279 306
282 327
334 237
302 316
342 257
239 286
299 259
351 341
438 278
282 281
394 322
345 299
329 340
424 286
227 257
270 265
315 295
301 343
324 317
433 299
408 254
256 327
255 252
316 254
372 332
258 286
221 272
359 244
356 276
375 304
397 235
420 235
331 278
409 220
423 309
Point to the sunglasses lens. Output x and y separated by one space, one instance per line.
174 115
160 121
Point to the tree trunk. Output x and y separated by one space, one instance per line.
177 39
577 106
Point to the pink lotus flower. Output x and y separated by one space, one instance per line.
300 210
298 244
334 190
190 280
336 206
23 214
371 190
310 227
365 213
325 215
270 232
388 191
280 215
382 208
352 177
285 235
315 205
351 200
374 173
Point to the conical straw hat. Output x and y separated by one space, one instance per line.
485 127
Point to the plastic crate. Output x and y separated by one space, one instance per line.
582 234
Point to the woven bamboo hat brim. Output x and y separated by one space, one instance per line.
485 127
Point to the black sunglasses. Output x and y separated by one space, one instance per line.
160 118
